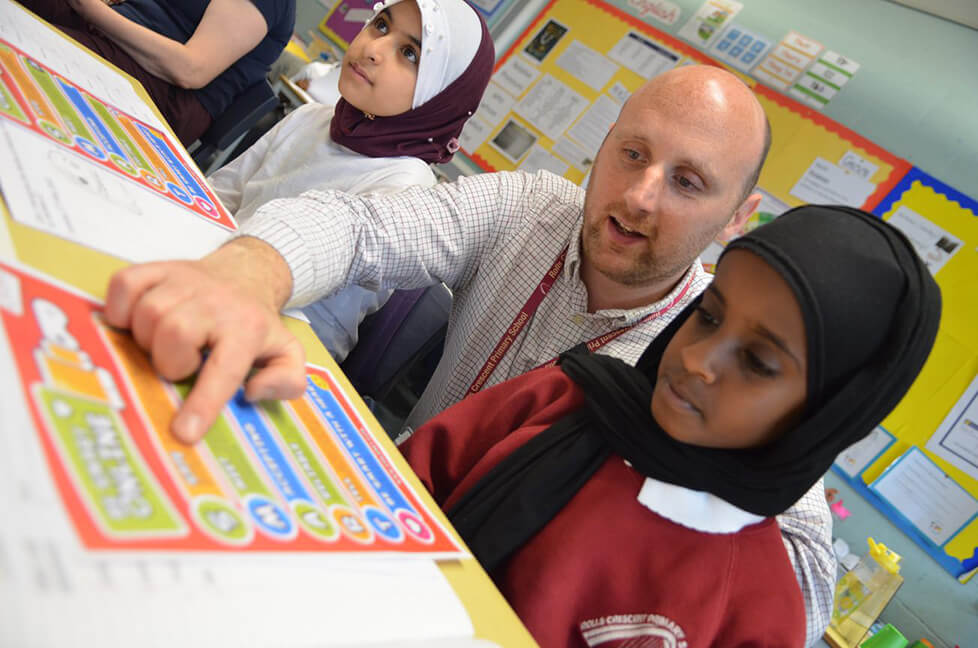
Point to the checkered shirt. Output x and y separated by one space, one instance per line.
491 238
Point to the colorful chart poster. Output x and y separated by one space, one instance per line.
298 476
77 167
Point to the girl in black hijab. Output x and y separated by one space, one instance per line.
812 331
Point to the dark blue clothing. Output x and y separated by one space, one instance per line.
177 19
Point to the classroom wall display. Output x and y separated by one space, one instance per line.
926 480
558 89
302 476
71 158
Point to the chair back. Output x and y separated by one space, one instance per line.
405 330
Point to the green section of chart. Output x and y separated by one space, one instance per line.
230 456
305 457
121 492
58 100
9 105
120 135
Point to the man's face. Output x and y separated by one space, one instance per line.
669 177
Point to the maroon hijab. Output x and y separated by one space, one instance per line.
431 130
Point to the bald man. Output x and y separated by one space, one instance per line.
536 265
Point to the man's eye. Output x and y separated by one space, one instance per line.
632 154
686 183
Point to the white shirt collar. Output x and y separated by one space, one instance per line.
694 509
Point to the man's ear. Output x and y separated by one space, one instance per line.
741 214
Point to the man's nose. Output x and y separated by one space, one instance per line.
644 192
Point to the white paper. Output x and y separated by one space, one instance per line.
705 25
59 191
496 104
842 62
956 438
933 244
551 106
803 44
642 56
571 152
827 183
589 66
825 73
933 502
540 159
619 93
857 164
857 457
776 73
474 134
594 125
516 75
791 56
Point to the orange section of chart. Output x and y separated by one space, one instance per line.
302 475
79 168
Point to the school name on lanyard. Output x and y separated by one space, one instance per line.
531 306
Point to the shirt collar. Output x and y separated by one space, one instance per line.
572 273
696 510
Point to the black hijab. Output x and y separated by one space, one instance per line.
871 313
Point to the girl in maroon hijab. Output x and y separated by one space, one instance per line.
409 81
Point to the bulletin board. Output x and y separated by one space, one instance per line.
558 89
921 466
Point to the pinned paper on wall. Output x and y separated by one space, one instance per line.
935 245
705 25
827 183
956 440
824 79
741 48
643 56
787 60
859 456
933 503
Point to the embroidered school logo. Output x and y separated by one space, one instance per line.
633 631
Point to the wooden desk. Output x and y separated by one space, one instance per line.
89 270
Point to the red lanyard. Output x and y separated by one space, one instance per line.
530 307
